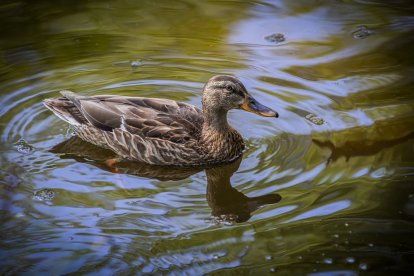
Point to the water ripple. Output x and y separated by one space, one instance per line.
344 201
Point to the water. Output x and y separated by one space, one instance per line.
325 188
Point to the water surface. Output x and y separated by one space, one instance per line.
326 187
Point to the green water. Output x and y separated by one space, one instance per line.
325 189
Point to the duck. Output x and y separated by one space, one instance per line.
161 131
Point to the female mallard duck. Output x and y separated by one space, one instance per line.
161 131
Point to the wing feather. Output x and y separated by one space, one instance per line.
147 117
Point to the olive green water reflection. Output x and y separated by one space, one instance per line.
346 185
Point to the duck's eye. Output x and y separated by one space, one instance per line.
230 88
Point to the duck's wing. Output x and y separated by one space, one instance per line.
146 117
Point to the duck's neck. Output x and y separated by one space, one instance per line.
218 138
215 121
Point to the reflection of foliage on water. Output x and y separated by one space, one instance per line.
77 34
358 141
359 148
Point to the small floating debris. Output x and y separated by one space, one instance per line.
23 147
315 119
275 38
362 32
44 195
136 63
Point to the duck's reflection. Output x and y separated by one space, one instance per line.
227 203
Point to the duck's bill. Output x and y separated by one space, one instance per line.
251 105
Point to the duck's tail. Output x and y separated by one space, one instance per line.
66 108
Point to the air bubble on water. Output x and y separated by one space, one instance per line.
363 266
336 236
268 257
314 119
275 38
69 132
136 63
362 32
272 269
350 260
225 220
346 224
44 195
328 260
22 146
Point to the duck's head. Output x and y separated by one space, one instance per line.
223 93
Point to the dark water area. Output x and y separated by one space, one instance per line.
325 189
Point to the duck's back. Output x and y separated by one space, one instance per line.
155 131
